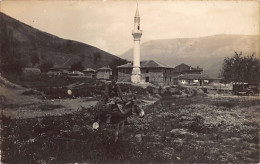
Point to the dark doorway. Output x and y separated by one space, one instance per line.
146 79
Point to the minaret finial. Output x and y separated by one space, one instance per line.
137 11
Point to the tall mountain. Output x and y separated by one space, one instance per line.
206 52
28 42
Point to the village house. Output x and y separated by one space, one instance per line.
156 73
89 72
31 70
104 73
192 79
185 69
57 70
76 74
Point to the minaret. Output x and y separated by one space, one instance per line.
137 33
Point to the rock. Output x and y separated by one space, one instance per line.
75 128
138 137
158 96
179 131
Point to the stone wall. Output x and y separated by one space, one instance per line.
103 75
124 77
155 75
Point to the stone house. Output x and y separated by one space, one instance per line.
151 71
89 72
104 73
156 73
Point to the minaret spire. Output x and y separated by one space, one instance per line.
137 11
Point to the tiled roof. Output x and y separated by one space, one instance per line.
76 73
146 64
89 70
104 69
184 67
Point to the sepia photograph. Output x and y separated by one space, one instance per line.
129 81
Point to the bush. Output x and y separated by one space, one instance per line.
44 67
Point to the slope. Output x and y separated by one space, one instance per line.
26 41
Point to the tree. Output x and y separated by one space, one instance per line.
44 67
77 66
114 63
241 68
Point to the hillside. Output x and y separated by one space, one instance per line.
26 41
206 52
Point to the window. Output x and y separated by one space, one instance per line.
165 78
170 78
146 79
147 71
138 27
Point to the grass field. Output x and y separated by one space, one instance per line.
210 129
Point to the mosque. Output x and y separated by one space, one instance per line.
152 71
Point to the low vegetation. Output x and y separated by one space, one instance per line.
194 129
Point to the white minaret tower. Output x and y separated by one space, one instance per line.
137 33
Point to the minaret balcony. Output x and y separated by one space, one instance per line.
137 32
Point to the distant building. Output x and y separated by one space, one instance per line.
57 70
186 69
76 74
89 72
104 73
156 73
192 79
31 70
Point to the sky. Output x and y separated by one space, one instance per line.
108 24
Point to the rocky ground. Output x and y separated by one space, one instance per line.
191 128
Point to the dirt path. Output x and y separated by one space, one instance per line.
48 108
20 106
